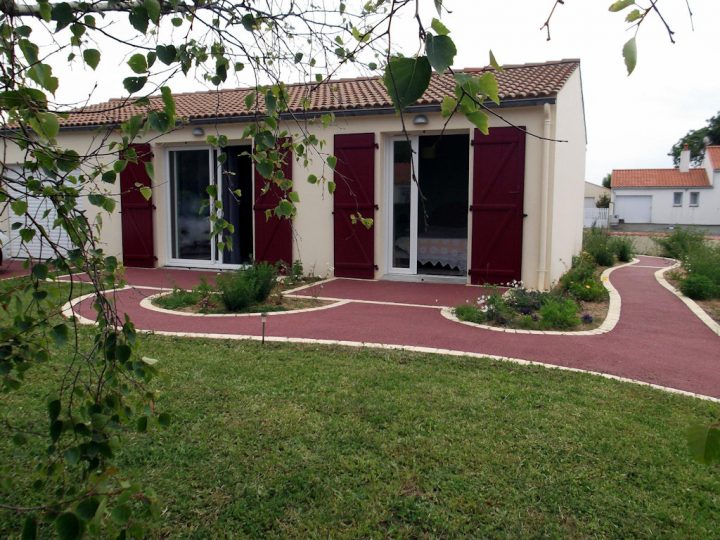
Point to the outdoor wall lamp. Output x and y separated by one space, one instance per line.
198 131
420 120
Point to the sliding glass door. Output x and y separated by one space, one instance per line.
429 211
191 172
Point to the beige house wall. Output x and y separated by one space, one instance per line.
313 226
568 179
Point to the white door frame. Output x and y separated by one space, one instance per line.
390 196
215 172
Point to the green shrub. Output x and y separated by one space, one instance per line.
470 313
236 291
178 298
679 243
587 291
247 286
698 287
623 248
702 264
582 280
524 301
597 243
559 313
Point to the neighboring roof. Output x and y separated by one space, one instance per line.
595 190
659 178
713 153
516 83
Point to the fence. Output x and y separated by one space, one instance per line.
597 217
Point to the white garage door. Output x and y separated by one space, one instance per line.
43 212
634 208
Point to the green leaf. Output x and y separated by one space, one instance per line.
448 105
166 53
440 51
331 161
68 526
139 19
489 87
494 63
704 444
153 10
630 55
621 4
60 334
480 119
123 353
40 271
440 28
19 207
438 6
265 168
121 514
27 235
19 439
164 419
54 406
406 80
633 16
146 192
249 100
29 531
312 179
88 508
134 84
331 187
293 196
72 455
168 101
138 63
284 208
45 124
91 57
142 424
45 10
63 14
298 57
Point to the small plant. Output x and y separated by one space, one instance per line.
698 287
251 285
470 313
596 243
177 299
590 290
559 313
296 271
581 281
603 201
623 248
586 318
680 242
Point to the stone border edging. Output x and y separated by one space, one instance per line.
611 319
146 303
689 302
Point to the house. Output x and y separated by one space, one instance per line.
594 216
593 192
485 208
679 196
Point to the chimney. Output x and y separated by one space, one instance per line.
685 159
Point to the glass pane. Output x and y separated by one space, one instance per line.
190 174
402 178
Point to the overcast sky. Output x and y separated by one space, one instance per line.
632 121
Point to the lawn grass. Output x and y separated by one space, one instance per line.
305 441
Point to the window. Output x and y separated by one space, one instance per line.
677 198
694 198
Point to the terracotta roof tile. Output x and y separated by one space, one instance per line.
658 178
714 153
517 82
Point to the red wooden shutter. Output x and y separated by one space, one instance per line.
354 245
138 245
497 206
273 237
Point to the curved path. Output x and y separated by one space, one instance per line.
658 339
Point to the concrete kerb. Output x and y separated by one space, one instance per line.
611 319
689 302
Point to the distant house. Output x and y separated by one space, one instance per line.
593 192
594 216
679 196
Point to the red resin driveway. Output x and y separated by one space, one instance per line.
657 340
